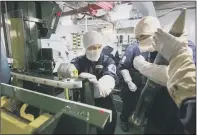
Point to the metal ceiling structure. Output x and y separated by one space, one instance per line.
80 10
161 5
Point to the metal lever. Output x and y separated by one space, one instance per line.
93 115
56 83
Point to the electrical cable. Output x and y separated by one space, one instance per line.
177 8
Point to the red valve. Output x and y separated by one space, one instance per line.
58 14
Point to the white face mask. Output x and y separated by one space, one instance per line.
146 45
93 55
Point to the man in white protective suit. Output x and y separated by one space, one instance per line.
179 76
144 32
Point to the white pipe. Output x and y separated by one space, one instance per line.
177 8
86 24
97 24
146 8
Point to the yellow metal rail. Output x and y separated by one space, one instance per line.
25 124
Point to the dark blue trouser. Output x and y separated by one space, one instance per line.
107 103
130 100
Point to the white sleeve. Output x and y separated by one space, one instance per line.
182 77
126 75
156 73
104 87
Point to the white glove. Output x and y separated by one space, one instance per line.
156 73
66 70
106 84
93 80
127 78
102 87
132 86
169 46
90 77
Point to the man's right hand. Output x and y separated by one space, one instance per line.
67 70
132 86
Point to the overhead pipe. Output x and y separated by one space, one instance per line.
174 9
102 18
82 10
75 11
146 8
94 24
171 5
86 24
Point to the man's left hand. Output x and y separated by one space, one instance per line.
92 78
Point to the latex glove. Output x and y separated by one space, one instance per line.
168 45
92 78
156 73
127 78
66 70
106 85
132 86
102 87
